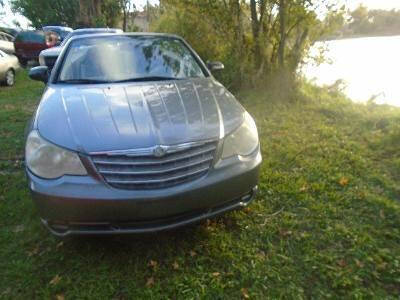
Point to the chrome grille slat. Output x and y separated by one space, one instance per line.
160 171
126 160
125 171
173 178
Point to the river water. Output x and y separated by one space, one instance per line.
370 68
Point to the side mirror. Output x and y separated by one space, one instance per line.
215 66
39 73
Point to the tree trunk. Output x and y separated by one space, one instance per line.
255 25
89 11
282 42
83 13
257 19
237 12
124 24
297 50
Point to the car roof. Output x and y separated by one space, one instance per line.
126 34
97 29
5 33
58 27
36 31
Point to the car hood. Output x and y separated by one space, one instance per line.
92 118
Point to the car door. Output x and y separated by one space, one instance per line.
9 43
3 66
3 42
37 44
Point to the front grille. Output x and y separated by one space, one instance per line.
146 171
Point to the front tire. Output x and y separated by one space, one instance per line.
10 77
23 62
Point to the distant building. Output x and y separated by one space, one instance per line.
136 21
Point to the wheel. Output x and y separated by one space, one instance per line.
22 61
10 78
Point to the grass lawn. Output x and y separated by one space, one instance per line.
326 222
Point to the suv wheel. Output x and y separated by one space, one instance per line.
10 78
23 62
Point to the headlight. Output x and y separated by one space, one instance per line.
243 141
50 161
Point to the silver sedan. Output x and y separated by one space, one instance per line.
133 135
8 66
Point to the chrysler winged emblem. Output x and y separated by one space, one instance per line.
159 151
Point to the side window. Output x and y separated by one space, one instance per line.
20 37
37 37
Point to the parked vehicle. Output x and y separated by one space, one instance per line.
148 142
11 31
48 57
8 66
7 43
61 31
28 44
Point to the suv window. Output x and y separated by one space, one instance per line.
37 37
31 36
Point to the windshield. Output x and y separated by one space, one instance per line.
128 58
87 31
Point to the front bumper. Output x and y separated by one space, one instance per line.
74 205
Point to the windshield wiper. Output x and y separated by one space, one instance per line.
148 78
83 81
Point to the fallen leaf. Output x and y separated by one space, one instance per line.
18 228
261 255
344 181
303 188
382 266
359 264
245 293
216 274
150 282
246 209
175 265
193 253
7 291
33 252
60 297
153 264
55 280
342 263
285 232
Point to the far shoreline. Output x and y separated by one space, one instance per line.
359 36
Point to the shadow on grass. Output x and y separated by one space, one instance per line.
159 245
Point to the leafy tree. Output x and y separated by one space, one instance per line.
1 8
127 6
44 12
255 39
361 20
364 22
